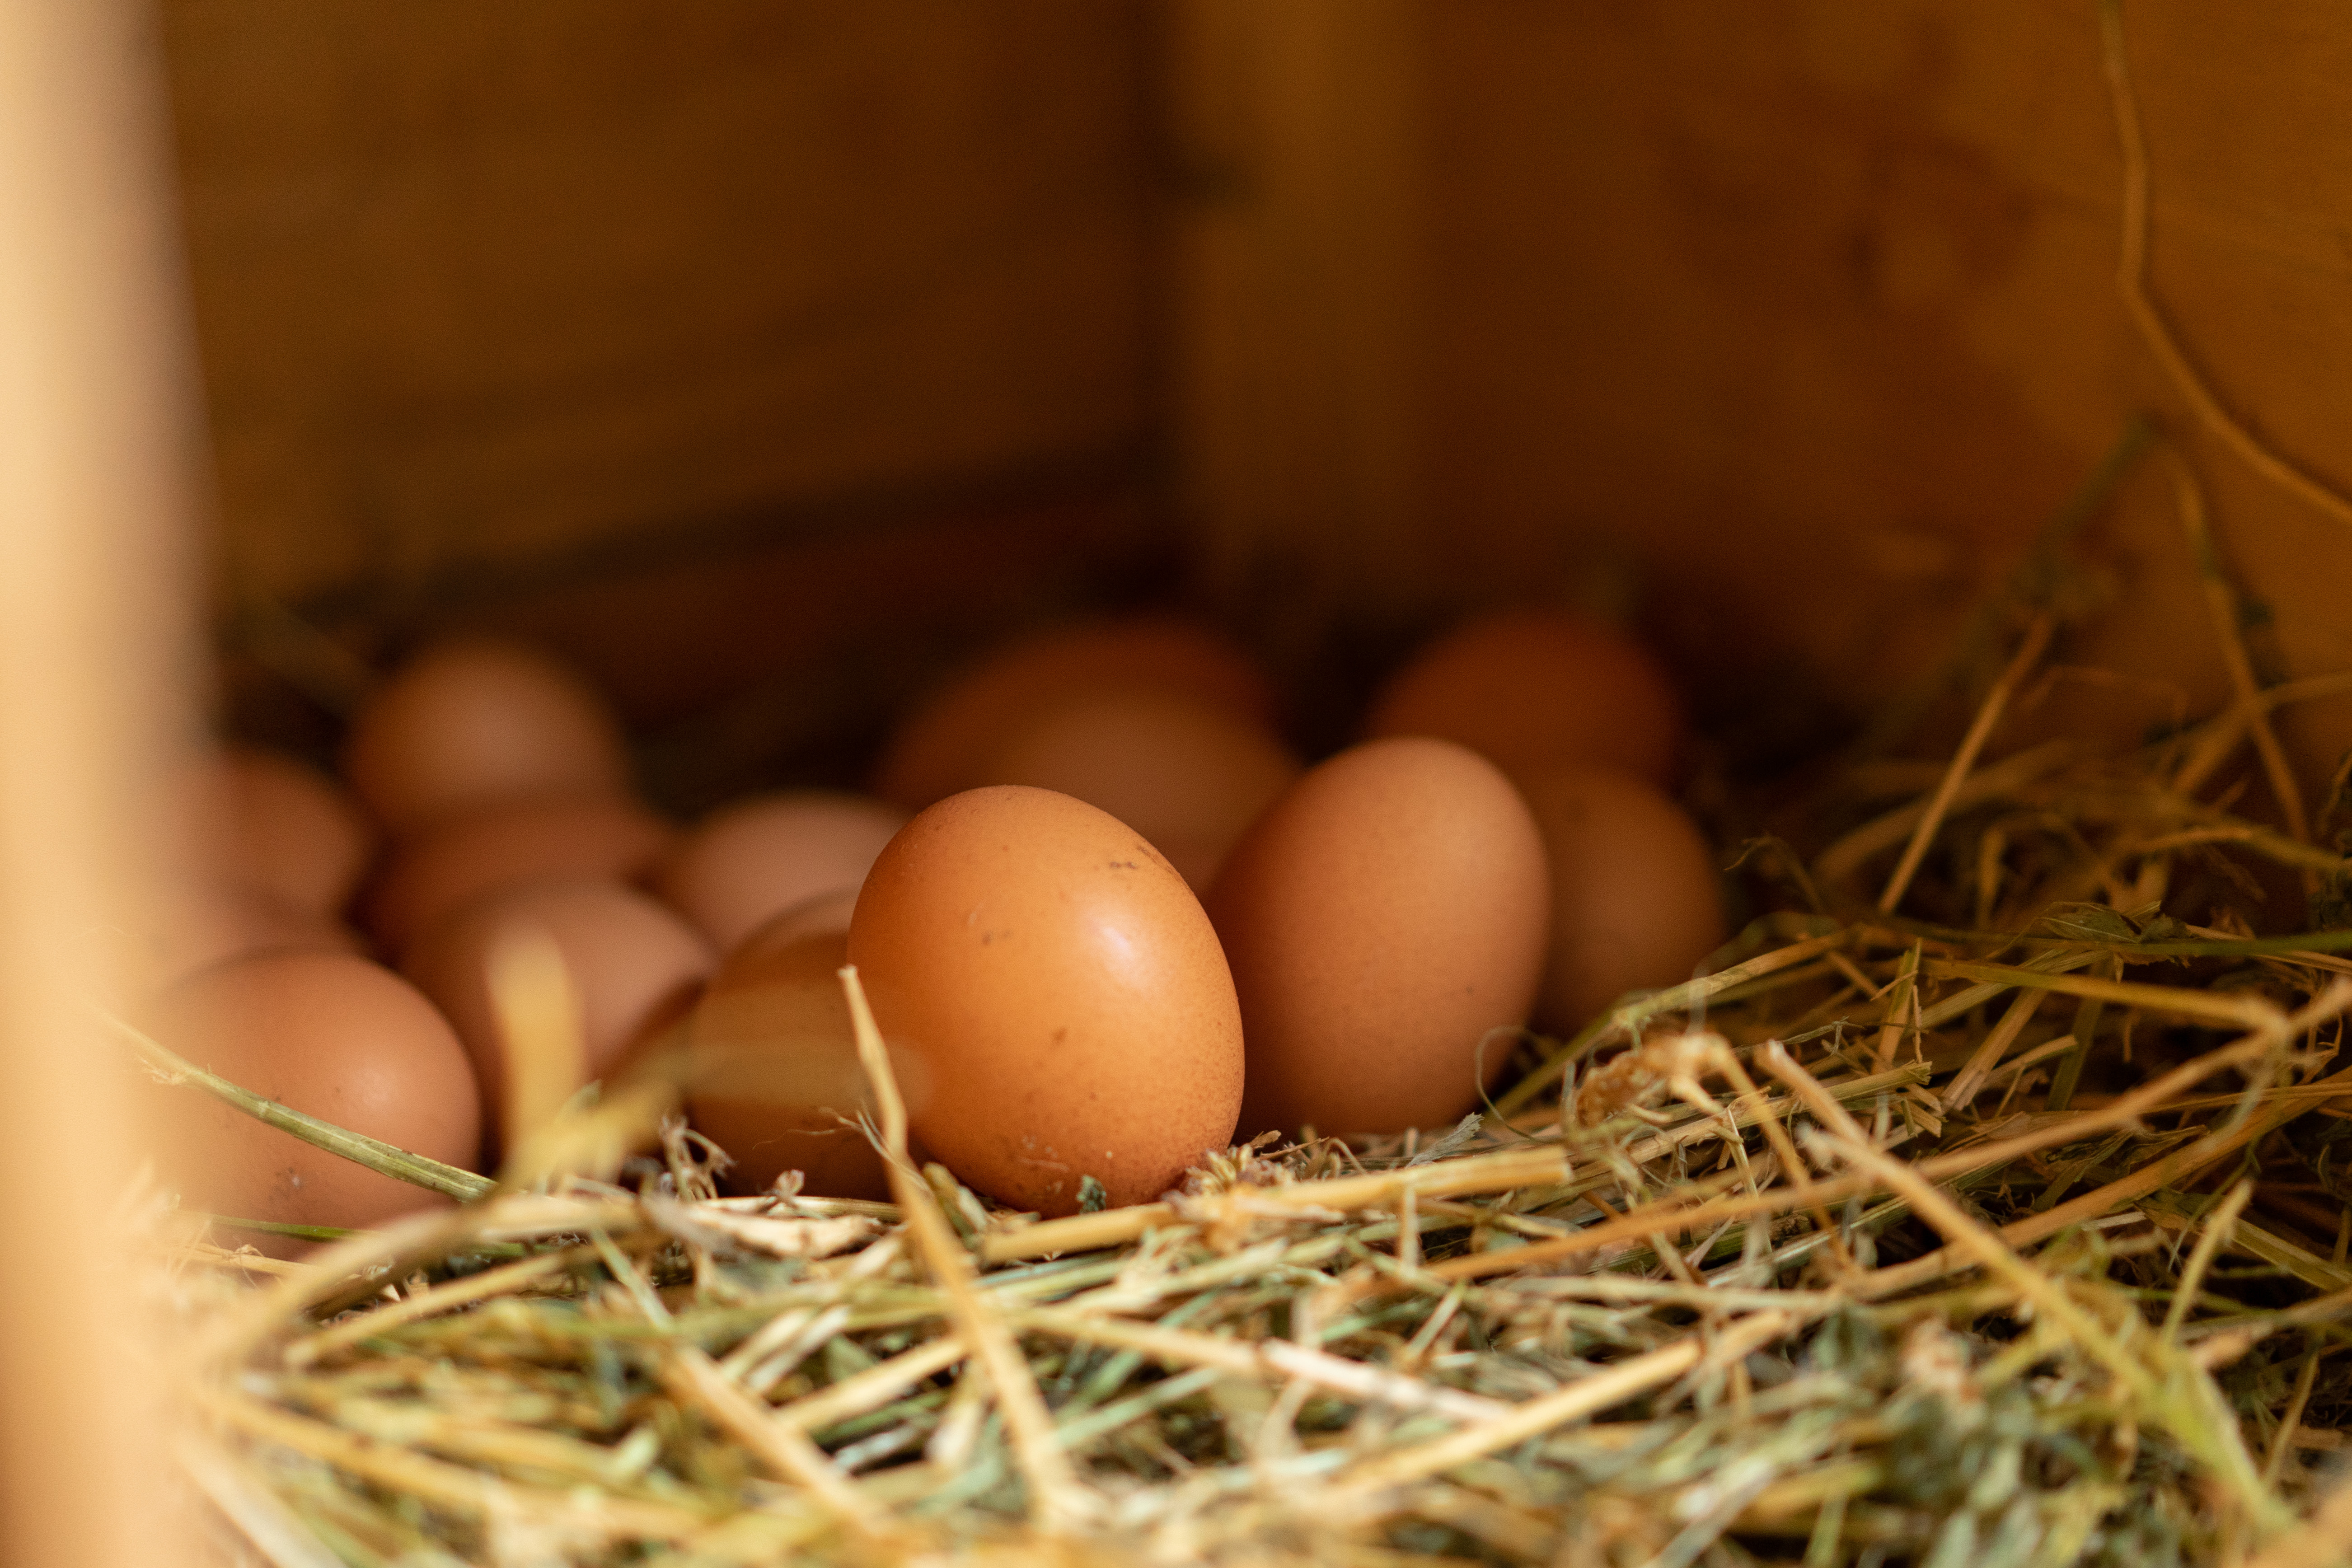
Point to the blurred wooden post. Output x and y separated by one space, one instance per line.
94 512
1296 258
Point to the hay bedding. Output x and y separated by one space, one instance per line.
1891 1241
1997 1219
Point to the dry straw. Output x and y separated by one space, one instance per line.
1808 1260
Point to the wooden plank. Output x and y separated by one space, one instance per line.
477 285
95 448
1810 312
1295 289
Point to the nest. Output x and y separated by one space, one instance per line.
2015 1235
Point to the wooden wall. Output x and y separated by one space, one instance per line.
1795 319
1811 308
481 285
1789 321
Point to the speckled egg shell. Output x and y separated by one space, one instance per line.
1383 918
1061 990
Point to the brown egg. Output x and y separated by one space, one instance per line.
1636 899
1526 688
1189 776
328 1033
771 1062
456 860
746 863
636 967
1382 919
262 819
1063 992
473 721
192 925
940 748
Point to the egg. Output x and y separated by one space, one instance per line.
1383 918
636 965
748 862
188 925
773 1074
331 1035
264 820
458 858
940 749
1636 899
1528 688
1063 992
472 721
1190 775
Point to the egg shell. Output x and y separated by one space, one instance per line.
1637 901
1381 918
274 824
1062 989
331 1035
771 1061
942 747
460 858
636 965
1528 688
187 926
748 862
1189 776
472 721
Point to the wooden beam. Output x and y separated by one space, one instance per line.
1296 254
94 507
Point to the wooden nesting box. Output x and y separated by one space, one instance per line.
763 356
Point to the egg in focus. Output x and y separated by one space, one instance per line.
1063 991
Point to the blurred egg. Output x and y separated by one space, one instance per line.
942 747
1528 688
458 858
746 863
635 965
1064 994
264 820
1636 899
472 721
185 926
772 1074
1189 776
1381 918
331 1035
